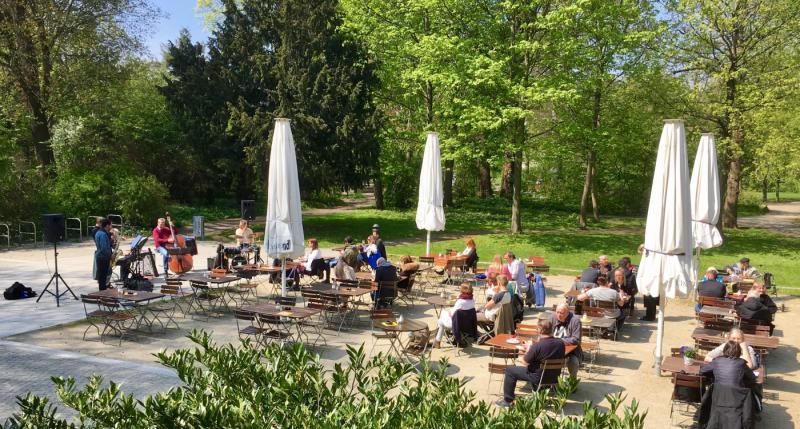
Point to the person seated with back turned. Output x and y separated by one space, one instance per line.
408 268
343 271
567 327
604 293
744 270
384 272
350 254
753 309
588 277
547 348
465 301
732 404
710 287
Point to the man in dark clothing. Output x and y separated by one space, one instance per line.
567 327
384 272
764 298
350 253
753 309
588 277
102 254
710 286
545 349
97 227
376 233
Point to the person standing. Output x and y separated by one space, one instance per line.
102 254
376 239
162 236
517 270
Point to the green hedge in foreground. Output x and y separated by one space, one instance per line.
274 387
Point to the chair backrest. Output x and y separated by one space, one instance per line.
686 380
286 300
715 302
387 289
426 259
503 353
551 364
497 368
345 282
109 303
523 331
243 315
705 345
759 330
718 325
605 305
170 289
594 311
745 287
382 314
198 285
309 294
536 260
174 282
676 352
86 299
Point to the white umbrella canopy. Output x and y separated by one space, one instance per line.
283 237
430 210
706 205
666 265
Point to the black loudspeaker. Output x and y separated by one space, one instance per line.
248 209
53 227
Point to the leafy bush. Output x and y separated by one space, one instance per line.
274 387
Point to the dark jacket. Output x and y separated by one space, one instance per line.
753 309
727 407
386 273
381 247
465 323
589 275
472 258
769 303
712 288
729 372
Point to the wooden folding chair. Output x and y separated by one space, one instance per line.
95 315
687 391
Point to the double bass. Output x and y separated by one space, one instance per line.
180 256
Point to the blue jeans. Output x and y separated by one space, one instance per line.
165 254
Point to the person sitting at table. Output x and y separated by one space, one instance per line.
350 253
500 297
384 272
743 269
604 265
588 277
471 253
567 327
604 293
516 269
749 355
709 286
313 263
408 268
764 298
491 282
243 234
372 253
753 309
547 348
465 301
623 283
732 404
344 271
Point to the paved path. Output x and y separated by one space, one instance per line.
783 218
27 368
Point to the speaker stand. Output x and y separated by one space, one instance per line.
54 279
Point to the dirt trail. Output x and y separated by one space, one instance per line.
783 218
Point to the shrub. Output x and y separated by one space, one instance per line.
274 387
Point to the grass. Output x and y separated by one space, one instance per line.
785 196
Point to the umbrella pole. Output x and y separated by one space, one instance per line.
696 272
660 332
283 276
428 244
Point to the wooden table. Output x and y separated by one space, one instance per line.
289 312
347 292
396 338
363 275
204 278
602 323
501 340
438 303
140 296
711 310
675 364
717 337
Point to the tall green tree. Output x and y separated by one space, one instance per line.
730 53
47 45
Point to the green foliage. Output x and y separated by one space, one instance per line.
248 387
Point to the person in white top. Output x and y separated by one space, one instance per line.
244 235
465 301
518 274
313 254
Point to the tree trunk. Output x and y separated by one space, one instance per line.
448 182
778 191
377 191
595 206
587 187
484 179
764 190
732 193
506 184
516 212
40 133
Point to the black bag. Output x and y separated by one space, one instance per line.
137 282
519 307
18 291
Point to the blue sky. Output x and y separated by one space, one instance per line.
178 14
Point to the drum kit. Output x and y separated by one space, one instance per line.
238 255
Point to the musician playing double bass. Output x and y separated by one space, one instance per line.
162 236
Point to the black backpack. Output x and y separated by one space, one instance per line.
18 291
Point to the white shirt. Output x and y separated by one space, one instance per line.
246 234
314 254
517 269
466 251
461 304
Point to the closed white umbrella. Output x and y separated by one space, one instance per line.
705 198
666 265
430 210
283 237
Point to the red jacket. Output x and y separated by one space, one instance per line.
161 236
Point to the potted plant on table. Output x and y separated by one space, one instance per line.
689 353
